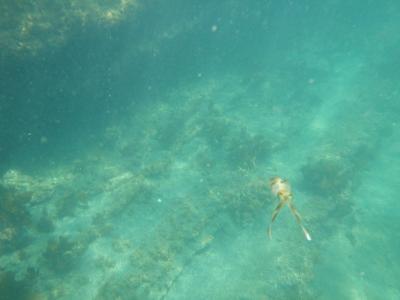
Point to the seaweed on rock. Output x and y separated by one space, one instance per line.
22 289
14 218
325 177
62 254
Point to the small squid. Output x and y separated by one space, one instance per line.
282 190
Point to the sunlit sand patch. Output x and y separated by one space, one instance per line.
318 125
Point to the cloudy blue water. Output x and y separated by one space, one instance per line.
137 140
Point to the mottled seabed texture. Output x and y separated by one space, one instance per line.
137 139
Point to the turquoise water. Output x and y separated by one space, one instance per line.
137 140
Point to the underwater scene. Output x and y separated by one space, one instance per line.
198 149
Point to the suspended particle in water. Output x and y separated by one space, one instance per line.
43 140
214 28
